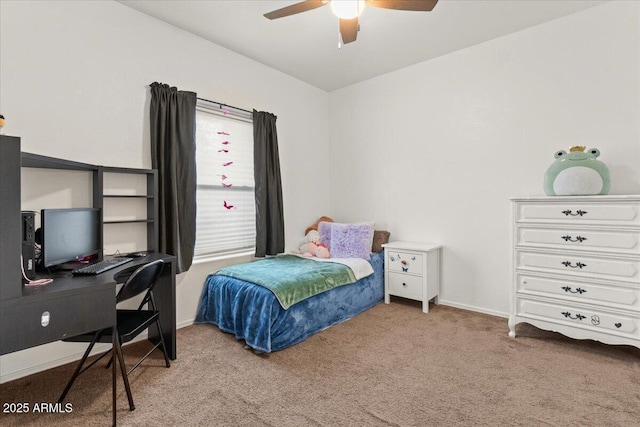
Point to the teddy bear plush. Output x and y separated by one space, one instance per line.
314 226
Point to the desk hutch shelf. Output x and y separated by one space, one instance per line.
151 197
21 307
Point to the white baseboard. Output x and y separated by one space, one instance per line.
34 369
473 308
99 348
185 323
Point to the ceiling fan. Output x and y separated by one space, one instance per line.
349 10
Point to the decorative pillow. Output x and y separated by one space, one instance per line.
351 240
324 229
380 237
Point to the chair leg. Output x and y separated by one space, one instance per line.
123 369
108 365
114 341
78 368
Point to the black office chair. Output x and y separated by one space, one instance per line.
129 324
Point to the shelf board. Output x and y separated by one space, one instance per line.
132 196
30 160
111 169
127 221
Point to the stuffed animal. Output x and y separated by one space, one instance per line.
322 251
315 249
577 173
308 249
312 236
310 246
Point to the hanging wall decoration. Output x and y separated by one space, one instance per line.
223 177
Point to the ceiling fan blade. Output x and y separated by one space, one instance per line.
349 30
415 5
302 6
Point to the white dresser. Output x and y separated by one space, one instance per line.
412 270
576 266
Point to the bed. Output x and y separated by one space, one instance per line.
253 313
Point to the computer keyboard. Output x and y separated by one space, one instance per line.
101 267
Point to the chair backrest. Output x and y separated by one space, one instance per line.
141 280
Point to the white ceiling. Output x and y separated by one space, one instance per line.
305 45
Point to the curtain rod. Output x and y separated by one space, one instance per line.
225 105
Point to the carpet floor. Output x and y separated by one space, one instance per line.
390 366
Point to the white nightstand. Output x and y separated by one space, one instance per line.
412 270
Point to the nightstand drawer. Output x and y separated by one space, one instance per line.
405 285
405 262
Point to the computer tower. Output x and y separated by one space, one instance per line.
28 245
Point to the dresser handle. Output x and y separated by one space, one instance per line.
568 238
577 291
579 212
404 284
578 264
578 316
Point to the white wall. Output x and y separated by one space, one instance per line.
433 152
74 84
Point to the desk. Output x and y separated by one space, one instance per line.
79 304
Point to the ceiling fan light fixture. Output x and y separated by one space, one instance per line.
347 9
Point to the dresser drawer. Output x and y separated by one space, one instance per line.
603 213
405 262
617 296
579 265
405 285
580 239
584 317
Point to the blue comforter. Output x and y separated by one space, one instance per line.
252 312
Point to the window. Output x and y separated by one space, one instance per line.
225 216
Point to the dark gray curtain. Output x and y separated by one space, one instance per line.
173 153
269 207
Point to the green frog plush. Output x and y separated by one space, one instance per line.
578 173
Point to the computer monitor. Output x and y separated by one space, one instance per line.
69 235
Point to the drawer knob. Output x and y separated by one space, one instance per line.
579 212
569 264
568 238
404 284
44 319
618 325
577 291
578 316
